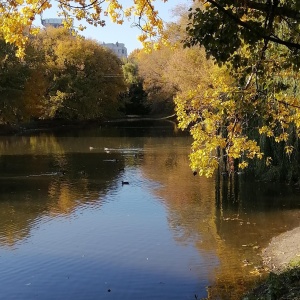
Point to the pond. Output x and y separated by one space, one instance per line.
115 213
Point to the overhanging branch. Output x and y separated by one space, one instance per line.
258 33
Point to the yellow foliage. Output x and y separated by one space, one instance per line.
243 165
289 150
211 112
16 18
221 114
268 161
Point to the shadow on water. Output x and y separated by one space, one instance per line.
35 186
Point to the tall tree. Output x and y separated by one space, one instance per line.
13 76
134 100
61 76
236 24
85 79
241 119
152 69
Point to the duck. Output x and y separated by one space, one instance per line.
61 173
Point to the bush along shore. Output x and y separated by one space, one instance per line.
282 257
283 286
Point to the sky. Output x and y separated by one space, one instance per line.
125 33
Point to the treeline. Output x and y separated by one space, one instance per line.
229 72
61 77
239 99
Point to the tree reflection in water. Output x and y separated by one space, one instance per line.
228 219
226 216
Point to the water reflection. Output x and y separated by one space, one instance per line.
44 175
231 219
196 233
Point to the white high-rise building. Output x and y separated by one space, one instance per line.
54 22
118 48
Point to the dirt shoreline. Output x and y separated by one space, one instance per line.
282 250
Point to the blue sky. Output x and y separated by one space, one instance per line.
125 33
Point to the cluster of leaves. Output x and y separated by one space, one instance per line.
216 123
61 76
17 17
234 118
12 77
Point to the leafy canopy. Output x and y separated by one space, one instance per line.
61 76
17 17
224 27
235 117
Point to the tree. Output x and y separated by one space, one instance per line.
17 17
255 113
236 24
84 79
13 76
60 76
152 69
134 100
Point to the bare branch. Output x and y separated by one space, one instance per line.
85 7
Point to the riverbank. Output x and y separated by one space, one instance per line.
60 124
44 125
282 257
282 251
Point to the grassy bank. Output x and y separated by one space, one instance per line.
283 286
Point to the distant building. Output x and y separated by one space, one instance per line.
54 22
118 48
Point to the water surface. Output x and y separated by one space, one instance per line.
69 228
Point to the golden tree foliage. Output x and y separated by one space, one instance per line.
234 111
228 121
60 76
211 115
83 79
152 69
17 17
254 113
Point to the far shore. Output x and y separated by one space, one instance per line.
59 124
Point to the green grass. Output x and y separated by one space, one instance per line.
283 286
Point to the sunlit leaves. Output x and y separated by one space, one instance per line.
17 16
61 76
215 123
258 110
86 78
153 69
